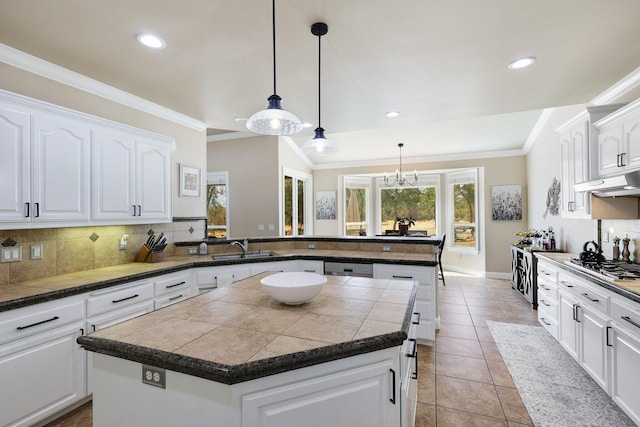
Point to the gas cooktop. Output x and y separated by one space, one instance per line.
610 269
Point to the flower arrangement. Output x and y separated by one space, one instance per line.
405 220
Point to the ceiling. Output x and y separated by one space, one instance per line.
441 64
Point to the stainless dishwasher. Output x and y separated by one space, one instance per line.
348 269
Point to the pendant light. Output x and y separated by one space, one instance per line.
400 179
274 120
319 145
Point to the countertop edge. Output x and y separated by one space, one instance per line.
248 371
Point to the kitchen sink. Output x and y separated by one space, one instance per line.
261 254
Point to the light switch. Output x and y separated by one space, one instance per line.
36 251
272 227
261 227
11 254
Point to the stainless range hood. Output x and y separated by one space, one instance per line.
620 185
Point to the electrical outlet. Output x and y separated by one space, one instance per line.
386 249
11 254
154 376
193 251
260 227
605 236
36 251
311 246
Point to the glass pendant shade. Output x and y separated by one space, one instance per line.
319 145
274 120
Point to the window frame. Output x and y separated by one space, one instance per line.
356 182
307 180
457 178
220 177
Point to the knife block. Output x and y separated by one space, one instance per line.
143 254
156 257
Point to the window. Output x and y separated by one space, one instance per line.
296 220
463 208
419 202
217 203
356 206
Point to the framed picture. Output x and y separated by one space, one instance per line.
506 203
326 205
189 181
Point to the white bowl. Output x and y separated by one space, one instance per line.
293 287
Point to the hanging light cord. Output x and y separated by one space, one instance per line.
319 74
273 31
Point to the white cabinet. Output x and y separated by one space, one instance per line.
41 365
117 297
548 297
592 341
131 177
619 141
568 330
212 277
46 160
173 288
574 160
425 295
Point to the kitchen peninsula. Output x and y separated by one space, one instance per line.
41 320
235 357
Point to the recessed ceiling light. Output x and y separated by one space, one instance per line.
151 41
391 114
521 63
240 119
307 125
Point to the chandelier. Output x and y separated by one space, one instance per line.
400 178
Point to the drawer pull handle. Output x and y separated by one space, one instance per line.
37 323
630 320
544 321
414 356
566 284
309 271
177 284
545 303
417 322
393 386
401 277
175 298
608 343
545 288
115 301
586 295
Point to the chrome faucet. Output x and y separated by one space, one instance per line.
244 246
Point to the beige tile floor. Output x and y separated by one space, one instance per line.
463 380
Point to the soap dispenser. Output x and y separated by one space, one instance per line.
203 248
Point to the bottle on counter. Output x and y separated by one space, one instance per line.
552 240
203 248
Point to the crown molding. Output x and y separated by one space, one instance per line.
35 65
423 159
626 84
544 117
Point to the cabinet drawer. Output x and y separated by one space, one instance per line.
426 292
547 291
172 283
425 308
547 273
627 315
172 298
423 275
585 293
547 308
119 296
41 317
549 323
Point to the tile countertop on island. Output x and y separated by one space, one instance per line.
22 294
238 333
625 288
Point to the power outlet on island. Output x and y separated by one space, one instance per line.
386 248
154 376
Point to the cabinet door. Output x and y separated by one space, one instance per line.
625 371
592 338
631 140
609 147
41 375
355 397
60 160
113 160
567 333
580 146
153 180
14 163
566 189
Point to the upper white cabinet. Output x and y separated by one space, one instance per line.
131 179
580 158
60 167
619 141
45 160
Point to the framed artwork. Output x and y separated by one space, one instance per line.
326 205
189 181
506 203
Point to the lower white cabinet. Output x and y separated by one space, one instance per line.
42 368
207 278
625 371
174 287
568 328
425 296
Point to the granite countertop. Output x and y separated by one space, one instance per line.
628 289
35 291
237 333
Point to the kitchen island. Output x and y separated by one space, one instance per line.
235 357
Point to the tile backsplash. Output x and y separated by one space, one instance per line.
68 250
621 229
